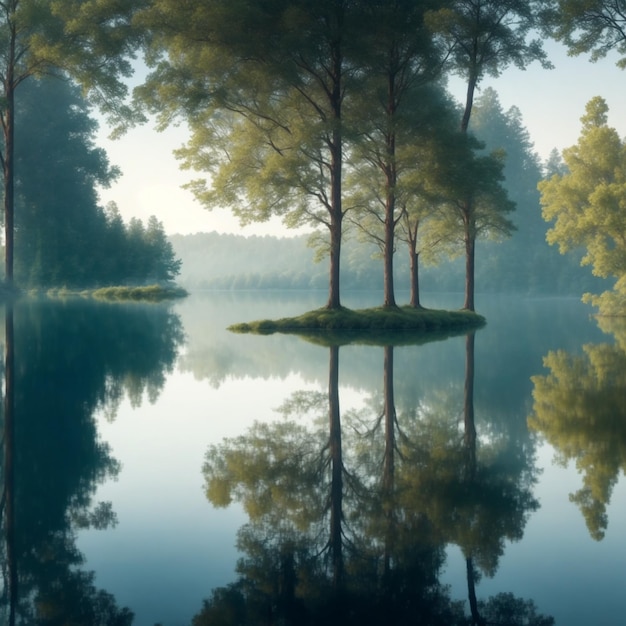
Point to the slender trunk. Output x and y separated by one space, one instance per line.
470 470
390 204
470 234
8 169
9 469
336 167
389 462
334 301
389 295
336 462
468 406
470 253
477 620
469 99
415 280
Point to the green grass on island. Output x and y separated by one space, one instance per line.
151 293
379 325
147 293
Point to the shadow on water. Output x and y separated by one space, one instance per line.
349 516
63 363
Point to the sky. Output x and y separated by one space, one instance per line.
551 102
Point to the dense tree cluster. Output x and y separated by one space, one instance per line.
524 263
63 236
332 110
585 202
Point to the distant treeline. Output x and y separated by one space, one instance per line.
226 261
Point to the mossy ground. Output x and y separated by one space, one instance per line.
378 325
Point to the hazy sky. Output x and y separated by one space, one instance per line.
551 103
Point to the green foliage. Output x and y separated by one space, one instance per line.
595 26
486 36
63 236
579 408
372 326
152 293
586 203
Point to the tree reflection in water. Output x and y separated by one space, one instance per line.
64 362
349 525
579 408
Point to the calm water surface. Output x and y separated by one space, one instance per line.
158 469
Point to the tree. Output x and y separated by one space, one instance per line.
484 37
586 203
63 236
262 87
471 185
91 39
595 26
390 110
59 225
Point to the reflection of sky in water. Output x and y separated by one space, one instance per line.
171 548
170 543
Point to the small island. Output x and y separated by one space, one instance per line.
377 325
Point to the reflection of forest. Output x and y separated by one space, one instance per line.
350 516
63 362
580 408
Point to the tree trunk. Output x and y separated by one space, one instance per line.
9 470
389 467
389 295
390 420
415 279
470 469
8 161
470 252
390 204
334 301
469 100
470 236
468 408
336 166
336 464
477 620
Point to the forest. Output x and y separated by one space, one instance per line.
524 263
333 115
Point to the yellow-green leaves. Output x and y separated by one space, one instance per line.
587 204
579 408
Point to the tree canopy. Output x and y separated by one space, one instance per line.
594 26
89 39
63 236
586 203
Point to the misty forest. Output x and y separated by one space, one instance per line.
439 439
334 116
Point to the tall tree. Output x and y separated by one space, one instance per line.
63 236
262 86
91 39
478 204
586 203
59 225
400 58
484 37
595 26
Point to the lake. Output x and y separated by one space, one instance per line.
158 469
